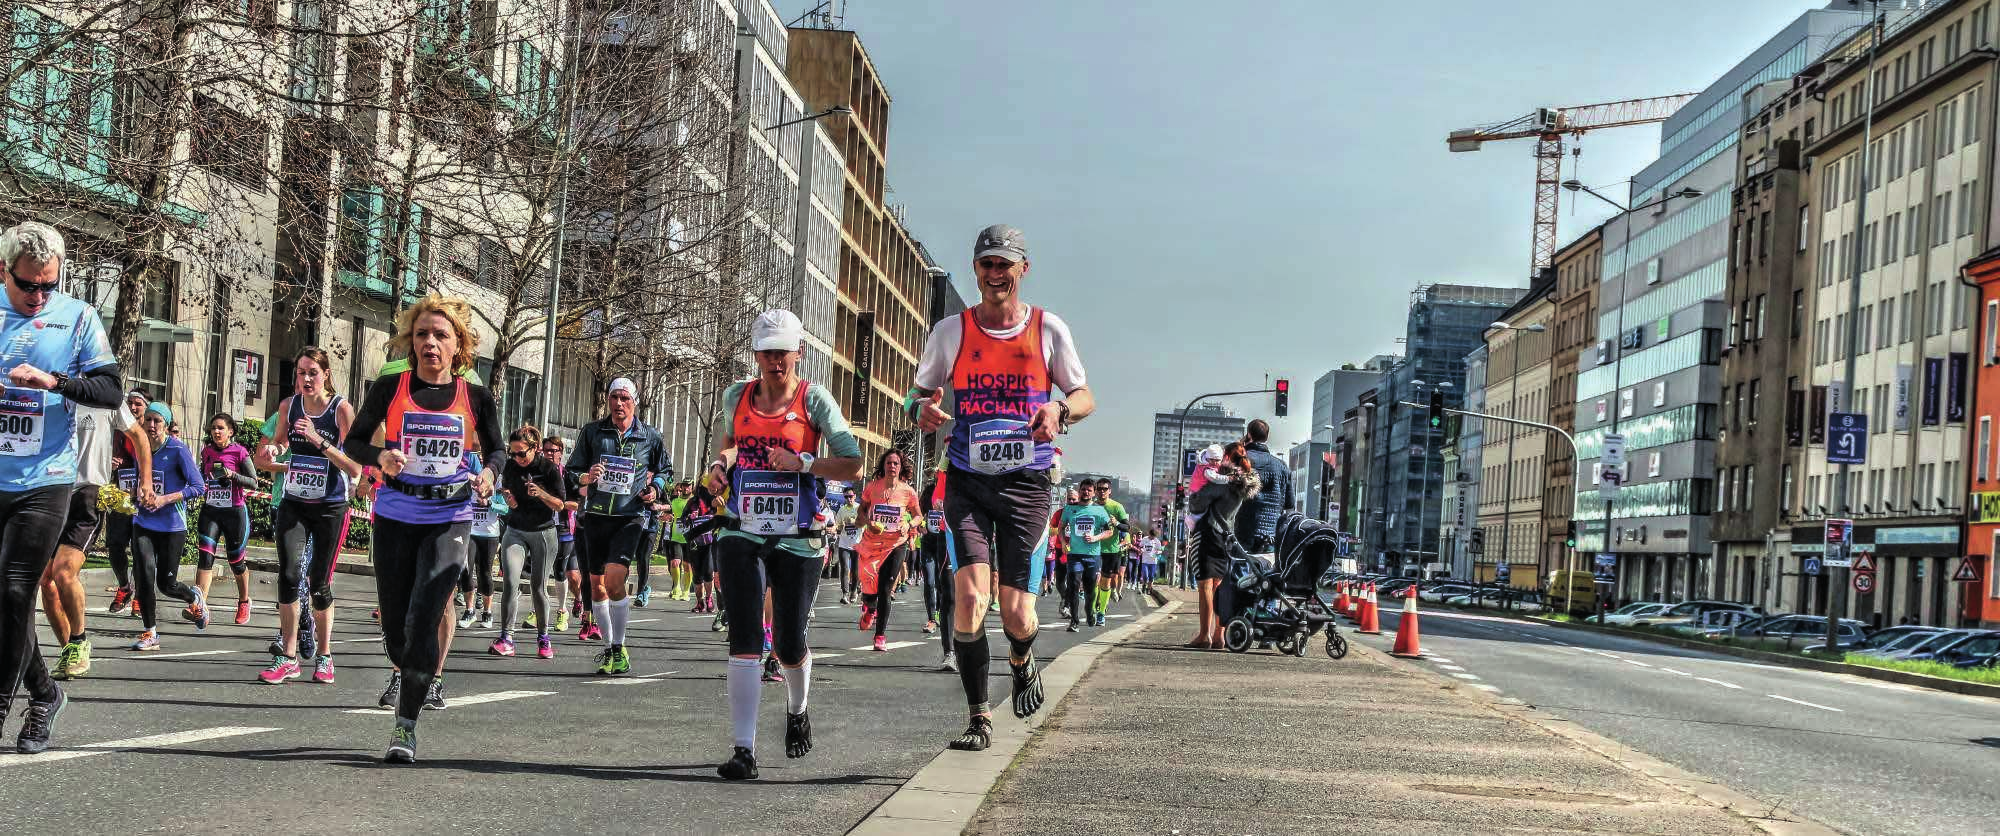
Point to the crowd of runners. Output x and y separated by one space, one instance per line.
468 516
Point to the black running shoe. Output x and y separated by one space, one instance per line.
308 645
741 766
392 693
41 721
1027 688
402 745
1074 627
434 699
798 735
978 735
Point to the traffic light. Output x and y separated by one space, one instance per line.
1569 537
1476 541
1437 409
1284 396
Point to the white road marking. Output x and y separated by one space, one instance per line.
1676 673
696 617
149 742
890 646
469 699
1804 703
1485 687
145 655
1635 662
1451 667
634 680
1464 676
1720 682
1119 615
641 621
1437 659
828 655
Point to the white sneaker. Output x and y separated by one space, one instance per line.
485 619
465 620
950 662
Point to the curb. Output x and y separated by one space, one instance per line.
1769 818
945 795
1935 683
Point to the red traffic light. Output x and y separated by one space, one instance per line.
1284 385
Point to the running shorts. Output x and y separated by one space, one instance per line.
1112 563
604 540
84 517
1001 521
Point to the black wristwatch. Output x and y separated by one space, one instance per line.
61 381
1062 423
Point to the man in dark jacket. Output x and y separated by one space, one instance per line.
1257 523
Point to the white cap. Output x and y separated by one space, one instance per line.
625 385
777 330
1211 454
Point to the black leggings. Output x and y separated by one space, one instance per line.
30 521
941 570
747 567
416 566
885 586
1082 586
158 570
565 561
320 526
225 527
479 568
118 544
928 570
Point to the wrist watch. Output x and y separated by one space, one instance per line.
806 462
60 381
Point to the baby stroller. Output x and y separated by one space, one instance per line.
1285 605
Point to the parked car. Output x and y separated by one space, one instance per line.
1625 614
1943 652
1713 620
1438 593
1575 591
1882 638
1899 643
1792 632
1929 645
1687 611
1982 649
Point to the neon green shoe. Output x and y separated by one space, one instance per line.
74 661
562 621
607 662
621 661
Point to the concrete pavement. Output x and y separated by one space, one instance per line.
1856 754
1158 739
187 739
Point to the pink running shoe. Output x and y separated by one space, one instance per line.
591 633
281 669
545 648
880 645
323 671
502 646
242 613
867 617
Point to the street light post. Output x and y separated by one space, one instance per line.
1624 267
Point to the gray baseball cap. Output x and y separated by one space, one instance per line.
1001 240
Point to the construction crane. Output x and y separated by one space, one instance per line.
1548 126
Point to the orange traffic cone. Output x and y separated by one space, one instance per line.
1340 598
1371 623
1353 609
1406 632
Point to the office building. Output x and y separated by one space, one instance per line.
1332 394
1464 552
1510 466
1653 374
1576 266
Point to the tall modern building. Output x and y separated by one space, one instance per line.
1446 322
822 196
1332 394
883 280
1654 372
1207 423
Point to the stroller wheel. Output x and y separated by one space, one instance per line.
1292 645
1336 646
1238 635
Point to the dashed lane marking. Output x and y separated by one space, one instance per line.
149 742
890 646
469 699
1463 676
634 680
1437 659
1635 662
1485 687
1676 673
144 655
1804 703
1451 667
1730 685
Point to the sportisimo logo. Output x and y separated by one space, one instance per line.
423 427
775 483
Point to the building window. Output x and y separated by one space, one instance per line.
1798 311
1985 449
227 143
1992 324
1965 210
1752 406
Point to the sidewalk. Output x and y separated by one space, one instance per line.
1157 739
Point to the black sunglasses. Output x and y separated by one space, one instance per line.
33 287
522 454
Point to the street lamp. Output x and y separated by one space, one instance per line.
1503 326
820 115
1624 267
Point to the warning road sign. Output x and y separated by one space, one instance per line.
1966 573
1864 562
1864 582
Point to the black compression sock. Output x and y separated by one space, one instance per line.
79 638
975 661
1021 648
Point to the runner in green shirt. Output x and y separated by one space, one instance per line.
1112 571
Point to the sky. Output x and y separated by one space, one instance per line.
1216 200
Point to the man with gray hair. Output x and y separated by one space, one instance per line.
55 355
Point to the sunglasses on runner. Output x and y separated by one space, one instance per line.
35 287
521 453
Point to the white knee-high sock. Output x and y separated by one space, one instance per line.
797 683
621 612
744 691
602 610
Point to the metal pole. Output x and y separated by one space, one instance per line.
562 226
1837 586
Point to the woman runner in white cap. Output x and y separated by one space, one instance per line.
766 462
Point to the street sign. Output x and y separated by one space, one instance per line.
1966 573
1607 568
1607 482
1614 451
1864 561
1502 572
1188 460
1864 582
1811 566
1847 438
1839 531
1836 556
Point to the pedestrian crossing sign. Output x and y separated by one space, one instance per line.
1965 573
1864 562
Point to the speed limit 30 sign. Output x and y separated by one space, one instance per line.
1864 582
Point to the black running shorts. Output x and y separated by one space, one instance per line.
603 540
1001 521
83 519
